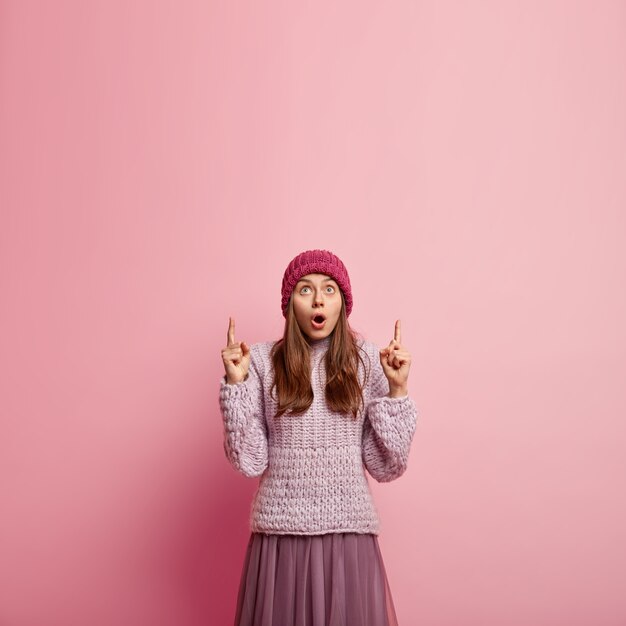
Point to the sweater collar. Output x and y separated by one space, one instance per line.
320 345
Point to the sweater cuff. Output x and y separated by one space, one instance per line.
235 403
394 419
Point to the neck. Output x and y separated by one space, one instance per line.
319 344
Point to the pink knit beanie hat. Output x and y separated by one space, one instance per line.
316 262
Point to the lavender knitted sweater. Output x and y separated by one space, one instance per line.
312 466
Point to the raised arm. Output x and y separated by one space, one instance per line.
388 428
242 408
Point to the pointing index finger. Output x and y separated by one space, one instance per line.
396 334
230 336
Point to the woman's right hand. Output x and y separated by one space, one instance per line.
236 356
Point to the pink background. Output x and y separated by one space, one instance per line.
161 163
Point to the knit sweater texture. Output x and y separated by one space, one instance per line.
312 466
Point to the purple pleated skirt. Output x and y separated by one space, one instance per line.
335 579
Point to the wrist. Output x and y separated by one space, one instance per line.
234 382
398 391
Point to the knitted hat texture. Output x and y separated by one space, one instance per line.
316 262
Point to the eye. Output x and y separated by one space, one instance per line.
332 289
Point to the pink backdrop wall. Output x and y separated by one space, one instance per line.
160 164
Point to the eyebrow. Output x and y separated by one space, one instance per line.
306 280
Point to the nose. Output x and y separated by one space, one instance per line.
318 299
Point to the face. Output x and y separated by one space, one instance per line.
313 295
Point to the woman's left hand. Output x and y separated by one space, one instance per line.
396 362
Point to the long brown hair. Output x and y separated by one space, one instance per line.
291 359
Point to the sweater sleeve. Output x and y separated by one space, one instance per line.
388 427
245 430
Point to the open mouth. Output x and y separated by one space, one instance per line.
318 320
